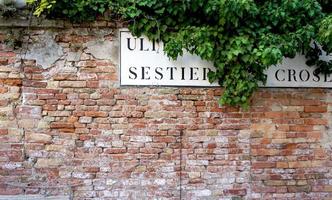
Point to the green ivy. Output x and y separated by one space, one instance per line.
242 38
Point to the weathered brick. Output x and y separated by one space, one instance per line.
72 84
294 189
64 77
35 84
315 109
3 131
262 165
57 125
11 82
166 139
92 84
10 190
85 120
59 113
38 138
32 69
237 192
29 111
315 121
96 114
115 150
141 139
48 162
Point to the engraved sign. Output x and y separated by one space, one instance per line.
143 62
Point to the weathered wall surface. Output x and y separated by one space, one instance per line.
68 129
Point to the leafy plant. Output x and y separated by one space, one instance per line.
7 8
43 5
241 37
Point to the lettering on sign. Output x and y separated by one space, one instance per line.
295 73
143 62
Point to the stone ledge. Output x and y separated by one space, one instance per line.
34 23
32 197
58 24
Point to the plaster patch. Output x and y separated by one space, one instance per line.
74 56
103 49
45 50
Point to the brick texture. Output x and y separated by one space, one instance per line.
72 130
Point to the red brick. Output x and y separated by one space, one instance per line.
92 84
262 165
115 150
91 169
10 190
300 128
212 146
11 81
50 107
296 189
3 131
37 84
37 77
305 102
166 139
237 192
84 137
33 70
4 102
315 109
315 121
96 114
7 54
59 125
274 114
3 90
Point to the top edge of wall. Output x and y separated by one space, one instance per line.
59 24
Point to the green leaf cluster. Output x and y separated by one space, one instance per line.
242 38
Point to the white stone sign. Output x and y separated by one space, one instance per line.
295 73
143 62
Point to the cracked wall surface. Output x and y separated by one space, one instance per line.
43 49
69 131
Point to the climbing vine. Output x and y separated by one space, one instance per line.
242 38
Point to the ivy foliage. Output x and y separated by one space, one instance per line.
242 38
7 8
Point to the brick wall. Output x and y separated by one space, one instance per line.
67 128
